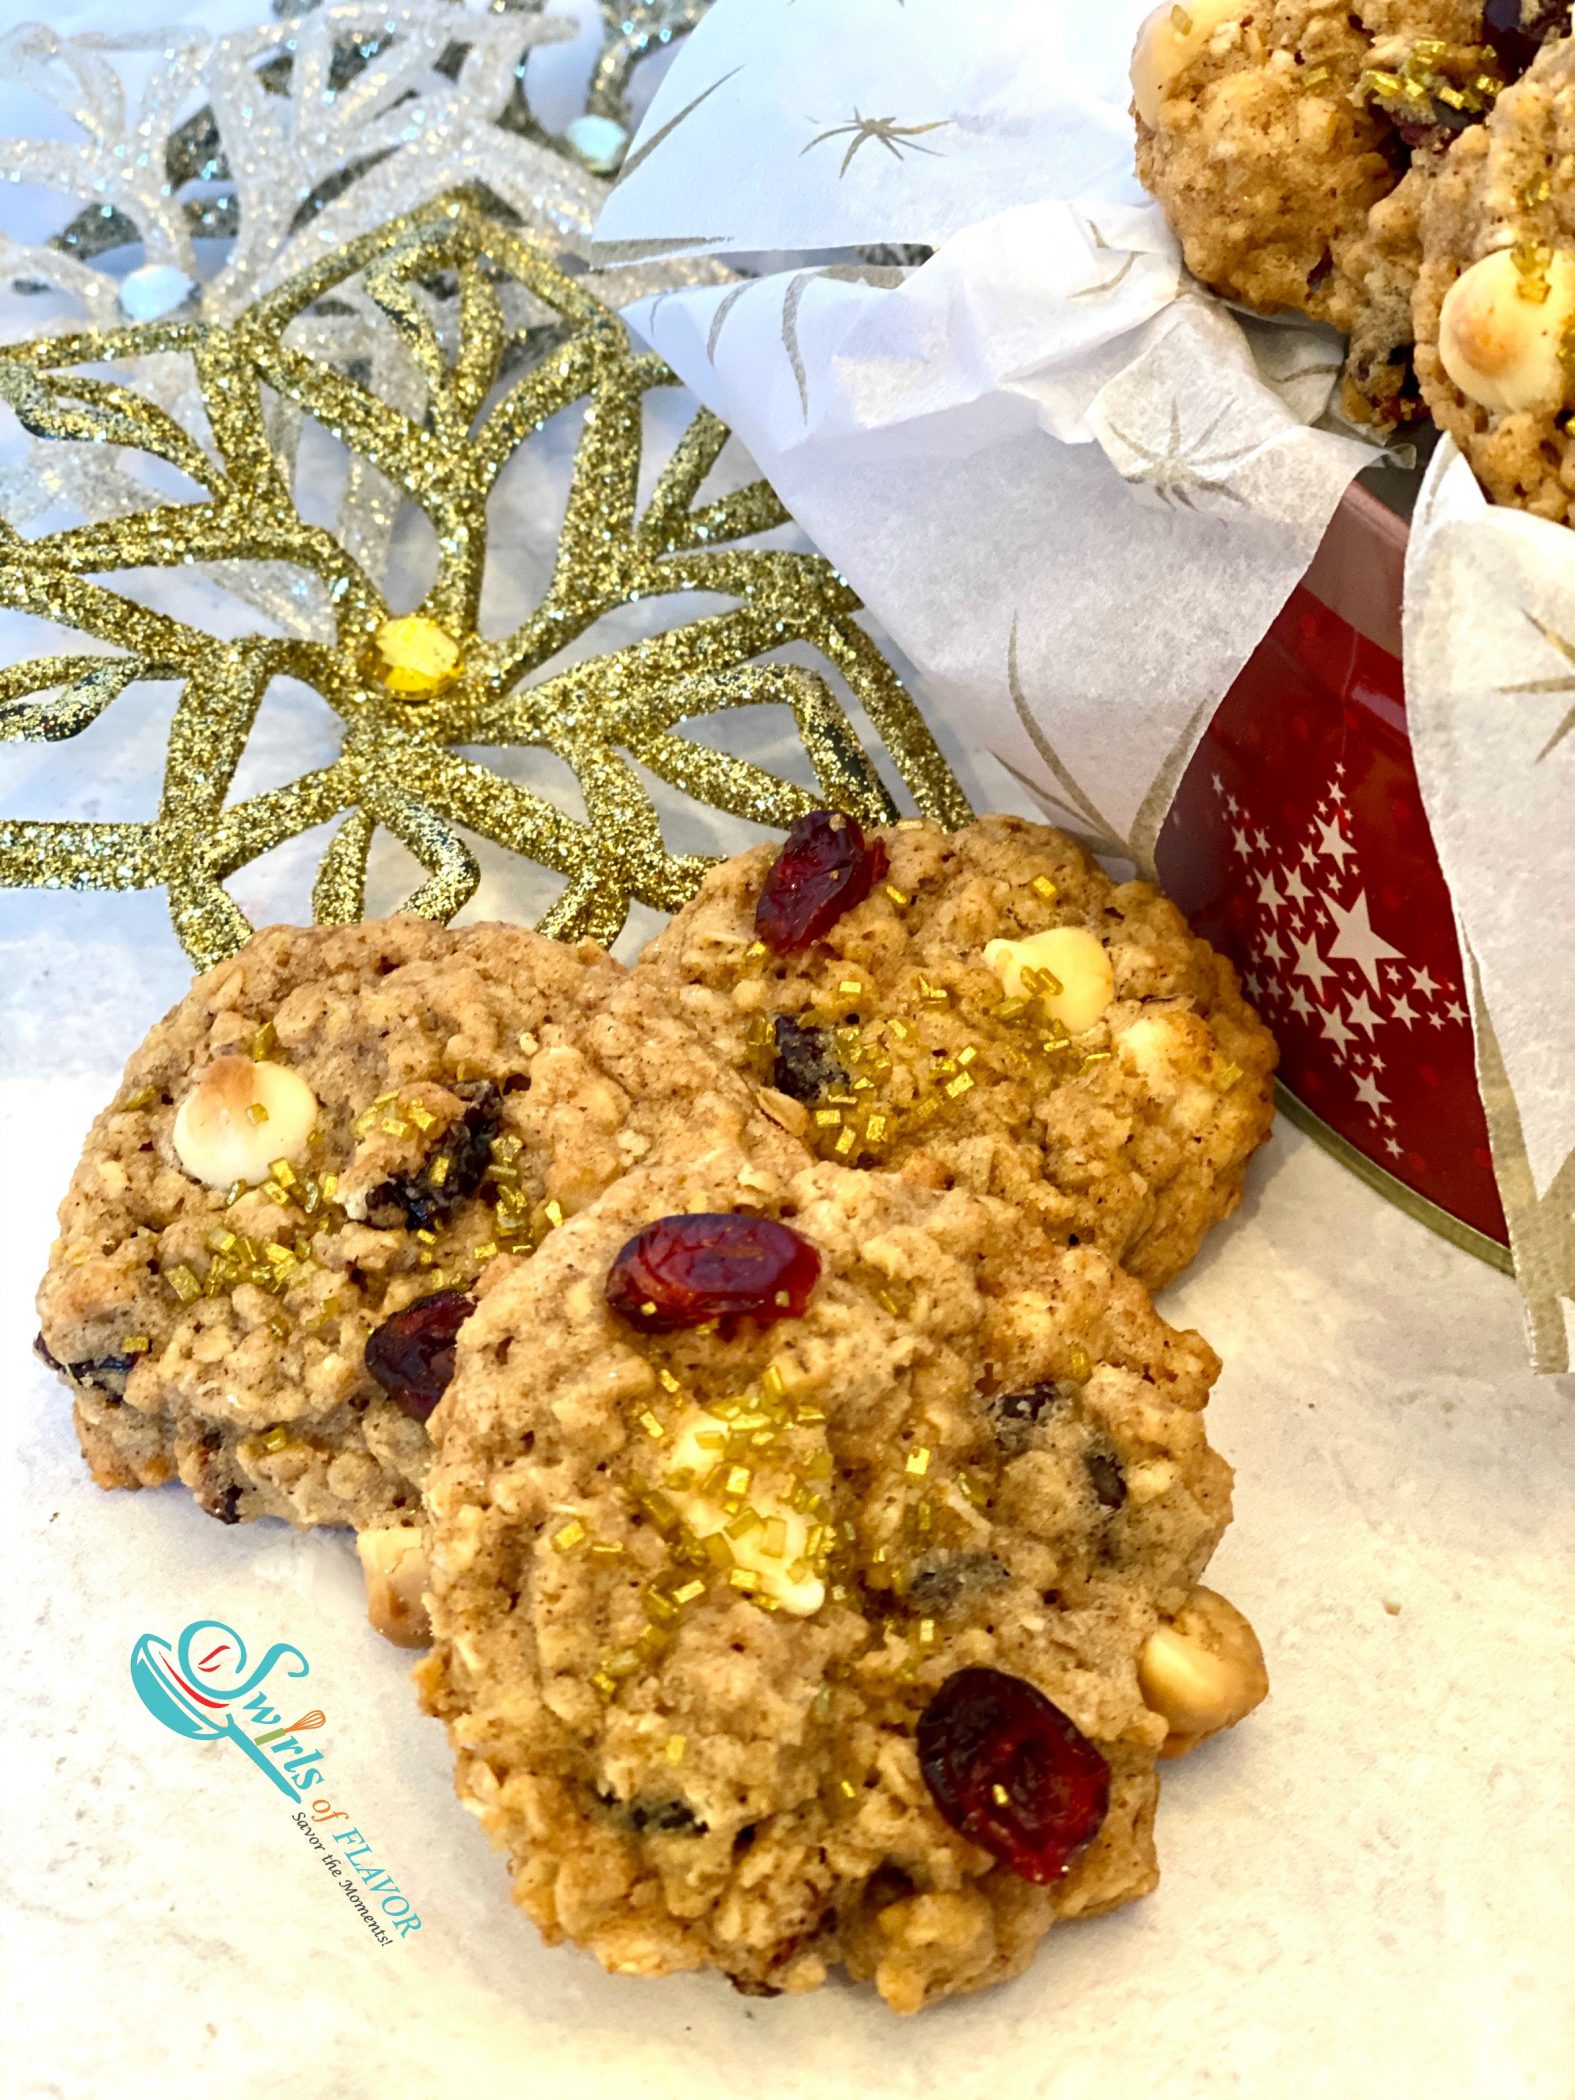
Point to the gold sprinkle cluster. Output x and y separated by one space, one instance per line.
755 1430
418 691
1419 84
859 1124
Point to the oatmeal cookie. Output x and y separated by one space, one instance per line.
995 1013
1495 299
267 1248
845 1626
1284 201
1254 135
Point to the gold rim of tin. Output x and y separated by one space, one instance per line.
1432 1215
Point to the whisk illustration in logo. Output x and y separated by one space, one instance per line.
201 1688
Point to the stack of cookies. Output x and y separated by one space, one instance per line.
1402 169
740 1369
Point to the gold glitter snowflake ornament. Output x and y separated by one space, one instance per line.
499 341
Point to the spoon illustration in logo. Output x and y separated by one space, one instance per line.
163 1678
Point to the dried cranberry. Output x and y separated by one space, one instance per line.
805 1066
412 1354
1011 1773
712 1265
1516 30
452 1171
825 867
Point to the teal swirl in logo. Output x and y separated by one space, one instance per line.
191 1687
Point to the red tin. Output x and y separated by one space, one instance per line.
1299 845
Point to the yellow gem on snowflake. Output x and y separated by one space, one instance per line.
414 657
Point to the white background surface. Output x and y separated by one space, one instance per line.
1367 1889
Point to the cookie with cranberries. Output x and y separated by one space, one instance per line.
814 1565
266 1252
990 1011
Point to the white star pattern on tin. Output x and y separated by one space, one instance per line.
1318 962
1333 843
1335 1029
1309 963
1357 939
1367 1092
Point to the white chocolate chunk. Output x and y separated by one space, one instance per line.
1503 350
695 1451
1162 1049
1203 1671
394 1564
218 1138
1074 957
1169 40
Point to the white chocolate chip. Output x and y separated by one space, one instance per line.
1503 350
704 1515
1074 957
1202 1672
1161 1046
394 1563
1169 40
220 1139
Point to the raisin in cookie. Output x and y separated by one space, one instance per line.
990 1010
266 1251
1495 299
813 1579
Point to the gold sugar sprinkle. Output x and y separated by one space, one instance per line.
674 1749
263 1041
135 1345
573 1534
141 1098
919 1460
257 1112
276 1439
